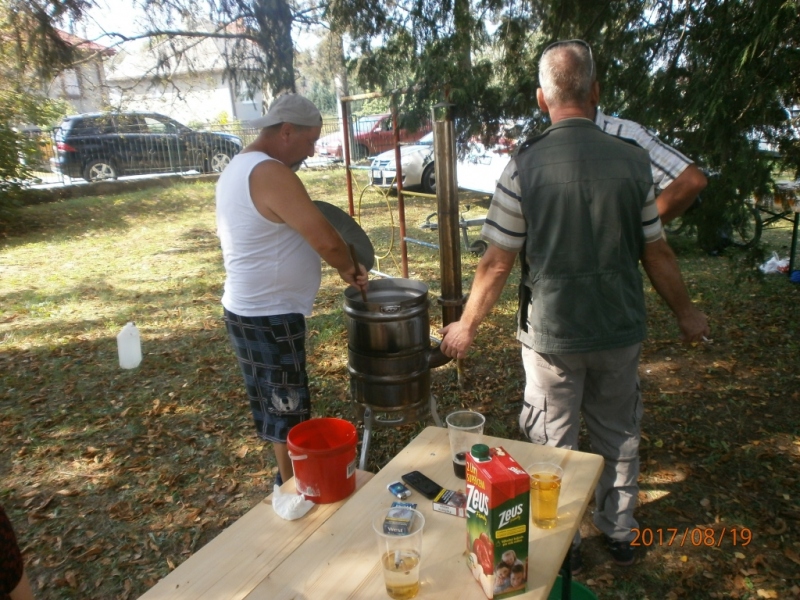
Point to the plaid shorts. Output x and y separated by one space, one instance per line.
272 356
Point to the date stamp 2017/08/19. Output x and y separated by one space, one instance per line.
692 536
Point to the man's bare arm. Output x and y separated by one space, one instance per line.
280 196
662 268
490 278
679 195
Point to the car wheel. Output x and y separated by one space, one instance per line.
429 179
99 169
218 160
746 228
676 226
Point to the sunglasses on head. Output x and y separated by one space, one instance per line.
571 43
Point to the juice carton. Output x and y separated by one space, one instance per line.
498 517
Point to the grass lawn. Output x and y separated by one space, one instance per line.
112 478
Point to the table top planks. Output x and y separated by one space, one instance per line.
234 562
331 553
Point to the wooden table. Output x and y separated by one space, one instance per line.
331 552
783 204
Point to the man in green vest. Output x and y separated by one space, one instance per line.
577 205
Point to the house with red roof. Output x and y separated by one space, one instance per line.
83 84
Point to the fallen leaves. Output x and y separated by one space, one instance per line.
604 580
791 555
164 456
781 528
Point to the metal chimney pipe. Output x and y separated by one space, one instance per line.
451 300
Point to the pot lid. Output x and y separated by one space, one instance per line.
350 231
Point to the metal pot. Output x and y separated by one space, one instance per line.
389 347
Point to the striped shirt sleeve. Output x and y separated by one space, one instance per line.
665 161
651 222
505 225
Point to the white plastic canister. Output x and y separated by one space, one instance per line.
129 346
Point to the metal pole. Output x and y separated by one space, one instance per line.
444 147
346 150
401 205
794 242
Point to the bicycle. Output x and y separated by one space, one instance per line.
742 230
476 247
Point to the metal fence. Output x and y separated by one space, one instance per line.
138 150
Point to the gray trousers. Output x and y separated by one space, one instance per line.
604 387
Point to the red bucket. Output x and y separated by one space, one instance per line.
323 453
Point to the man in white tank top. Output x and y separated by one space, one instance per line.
272 237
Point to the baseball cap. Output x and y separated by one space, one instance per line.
290 108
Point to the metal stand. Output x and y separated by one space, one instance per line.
477 247
566 578
372 419
362 464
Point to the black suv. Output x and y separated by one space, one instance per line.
108 145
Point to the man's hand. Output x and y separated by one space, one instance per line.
694 326
662 268
356 277
456 339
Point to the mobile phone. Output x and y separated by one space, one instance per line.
425 486
399 490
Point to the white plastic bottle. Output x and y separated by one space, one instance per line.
129 346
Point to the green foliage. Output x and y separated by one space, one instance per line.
20 106
12 172
17 150
222 118
29 33
713 78
375 106
323 97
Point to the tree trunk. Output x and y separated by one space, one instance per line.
274 36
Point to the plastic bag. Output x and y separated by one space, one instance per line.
290 506
776 264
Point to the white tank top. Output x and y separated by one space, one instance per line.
269 268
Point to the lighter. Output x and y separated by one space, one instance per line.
399 490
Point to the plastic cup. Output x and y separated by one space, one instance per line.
464 428
400 551
545 489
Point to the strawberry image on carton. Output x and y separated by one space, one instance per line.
498 513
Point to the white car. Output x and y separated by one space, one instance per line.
480 169
416 161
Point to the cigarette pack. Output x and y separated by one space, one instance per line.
399 518
451 502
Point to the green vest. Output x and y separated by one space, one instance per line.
582 197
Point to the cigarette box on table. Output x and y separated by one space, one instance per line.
399 518
451 502
498 521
